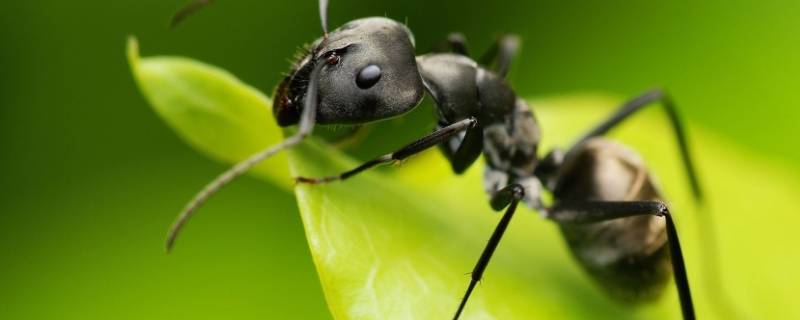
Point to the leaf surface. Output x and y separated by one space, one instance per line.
397 244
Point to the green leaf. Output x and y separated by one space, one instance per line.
210 109
397 244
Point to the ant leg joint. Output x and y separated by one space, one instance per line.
517 191
472 122
506 195
662 210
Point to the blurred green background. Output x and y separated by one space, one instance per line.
90 178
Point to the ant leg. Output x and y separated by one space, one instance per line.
508 196
458 43
413 148
462 150
306 125
597 211
455 42
636 104
502 52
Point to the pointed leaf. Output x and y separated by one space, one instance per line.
211 109
397 245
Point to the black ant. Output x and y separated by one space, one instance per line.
610 212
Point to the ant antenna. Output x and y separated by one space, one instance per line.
323 15
187 10
306 125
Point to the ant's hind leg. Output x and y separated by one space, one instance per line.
626 110
507 196
597 211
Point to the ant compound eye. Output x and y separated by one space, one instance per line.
332 59
368 76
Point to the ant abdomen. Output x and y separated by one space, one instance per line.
628 256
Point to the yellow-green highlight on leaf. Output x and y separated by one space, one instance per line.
210 109
397 244
392 246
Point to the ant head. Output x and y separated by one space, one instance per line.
369 73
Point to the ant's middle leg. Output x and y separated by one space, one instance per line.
498 55
501 53
413 148
455 42
508 196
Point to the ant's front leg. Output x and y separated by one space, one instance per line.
462 150
597 211
306 125
413 148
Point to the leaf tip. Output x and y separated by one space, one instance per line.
132 50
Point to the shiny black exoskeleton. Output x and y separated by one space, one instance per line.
484 114
609 209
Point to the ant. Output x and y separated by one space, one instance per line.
607 205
